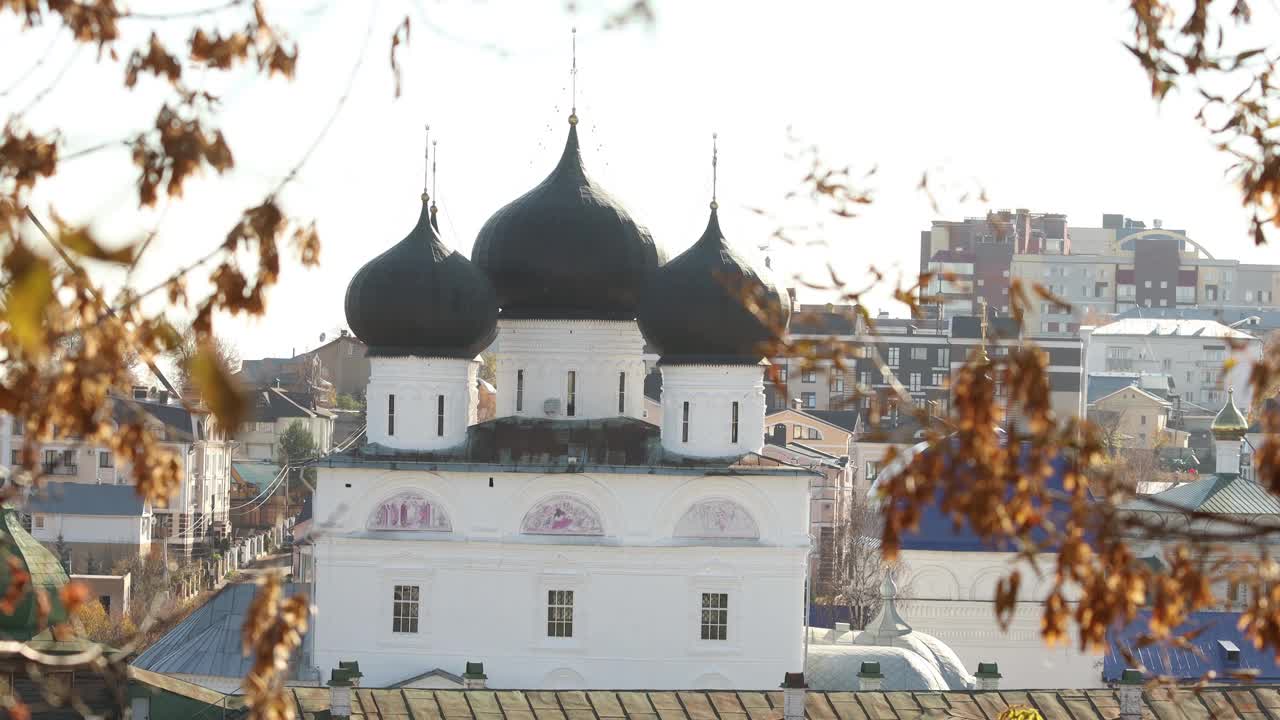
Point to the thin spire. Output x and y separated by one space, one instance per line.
435 155
715 159
573 76
426 162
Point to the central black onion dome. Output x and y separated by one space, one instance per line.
420 298
710 306
566 249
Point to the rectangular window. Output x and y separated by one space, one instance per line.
404 609
39 521
809 400
519 391
571 394
812 434
684 424
796 432
104 459
809 375
560 613
733 427
939 379
837 384
1164 284
622 393
944 357
440 416
915 382
782 373
864 378
15 457
715 616
391 415
919 353
894 354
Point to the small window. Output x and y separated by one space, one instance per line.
812 434
809 400
919 353
39 521
715 616
782 373
560 613
15 457
944 357
571 394
797 432
391 415
622 393
519 391
733 424
837 384
873 469
105 460
894 354
684 424
440 415
915 382
809 376
404 609
1143 420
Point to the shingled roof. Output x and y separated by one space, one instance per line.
1240 703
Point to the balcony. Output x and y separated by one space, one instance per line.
61 469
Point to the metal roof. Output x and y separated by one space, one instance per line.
72 498
1207 652
1206 329
208 641
1068 704
1222 494
260 474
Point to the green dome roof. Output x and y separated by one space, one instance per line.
46 574
1230 423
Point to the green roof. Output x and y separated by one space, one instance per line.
47 575
260 474
1221 494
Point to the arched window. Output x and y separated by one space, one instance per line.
717 518
409 510
562 515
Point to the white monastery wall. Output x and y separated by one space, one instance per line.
484 568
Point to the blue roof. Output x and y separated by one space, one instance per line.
938 531
1210 652
260 474
72 498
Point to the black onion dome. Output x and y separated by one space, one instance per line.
698 308
420 298
566 249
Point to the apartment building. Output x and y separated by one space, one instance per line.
1101 272
1193 353
1125 268
972 257
921 356
197 509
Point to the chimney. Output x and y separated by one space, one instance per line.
870 677
1131 695
340 693
793 691
988 676
796 404
474 677
353 671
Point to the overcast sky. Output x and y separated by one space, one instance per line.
1037 103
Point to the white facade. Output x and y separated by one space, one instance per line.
1192 352
951 595
711 411
421 403
583 369
97 529
481 563
260 440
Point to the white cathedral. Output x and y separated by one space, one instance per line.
567 543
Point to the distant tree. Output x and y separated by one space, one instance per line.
347 402
191 345
859 565
296 443
92 565
63 552
489 367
